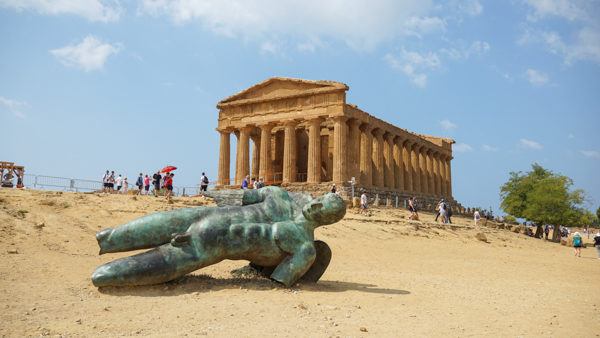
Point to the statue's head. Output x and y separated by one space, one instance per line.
324 210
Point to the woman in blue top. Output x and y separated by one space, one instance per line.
577 244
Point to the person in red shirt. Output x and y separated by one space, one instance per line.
169 185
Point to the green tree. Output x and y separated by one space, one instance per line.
543 197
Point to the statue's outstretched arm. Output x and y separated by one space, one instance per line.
238 197
295 265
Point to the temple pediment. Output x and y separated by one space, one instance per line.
278 87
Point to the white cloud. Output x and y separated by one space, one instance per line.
361 24
570 136
529 144
13 106
269 47
567 9
90 54
462 147
536 77
414 65
488 148
462 53
582 29
447 125
92 10
590 153
471 7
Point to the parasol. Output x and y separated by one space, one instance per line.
168 169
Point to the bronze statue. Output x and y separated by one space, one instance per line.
273 229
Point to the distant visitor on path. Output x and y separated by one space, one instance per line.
577 243
476 217
412 207
140 183
597 243
147 184
203 182
125 186
245 182
156 182
363 203
169 185
333 189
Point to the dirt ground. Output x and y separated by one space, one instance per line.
388 277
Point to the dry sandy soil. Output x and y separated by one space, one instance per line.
388 277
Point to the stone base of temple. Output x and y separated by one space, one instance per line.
380 197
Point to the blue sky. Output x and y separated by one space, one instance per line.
90 85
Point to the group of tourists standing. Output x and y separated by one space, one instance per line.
112 183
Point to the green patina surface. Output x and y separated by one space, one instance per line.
271 228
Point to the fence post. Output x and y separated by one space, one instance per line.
183 192
396 201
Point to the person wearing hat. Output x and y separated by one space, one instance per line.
577 244
333 189
438 208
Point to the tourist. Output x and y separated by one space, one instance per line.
438 207
597 243
125 186
245 182
253 183
105 181
119 182
203 182
443 212
546 231
147 184
577 243
140 183
448 209
363 203
169 185
111 181
156 178
476 217
412 207
260 183
333 189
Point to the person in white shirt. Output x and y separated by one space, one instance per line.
476 217
105 182
363 203
125 186
119 182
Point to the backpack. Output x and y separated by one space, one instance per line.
205 180
576 241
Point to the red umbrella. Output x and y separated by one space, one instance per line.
168 169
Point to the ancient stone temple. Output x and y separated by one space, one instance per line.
303 135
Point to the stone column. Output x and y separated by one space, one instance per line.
265 169
366 149
436 174
340 140
398 163
443 185
224 151
449 176
388 154
289 152
378 163
408 170
242 163
354 150
416 172
430 175
423 170
255 156
314 151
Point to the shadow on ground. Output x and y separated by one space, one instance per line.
204 283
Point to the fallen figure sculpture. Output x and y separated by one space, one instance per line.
273 229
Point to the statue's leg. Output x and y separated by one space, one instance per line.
155 266
316 270
149 231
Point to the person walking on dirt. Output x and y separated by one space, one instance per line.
169 185
140 183
363 203
412 207
203 182
577 243
146 184
156 182
597 243
476 217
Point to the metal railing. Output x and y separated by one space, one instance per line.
43 182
